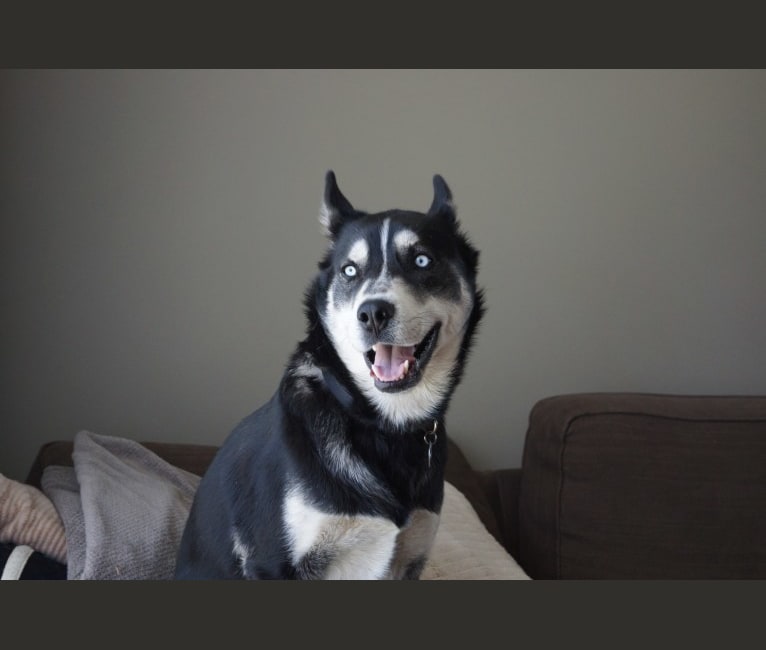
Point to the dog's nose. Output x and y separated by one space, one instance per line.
374 315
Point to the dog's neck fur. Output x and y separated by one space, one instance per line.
349 439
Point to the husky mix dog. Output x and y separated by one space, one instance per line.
341 473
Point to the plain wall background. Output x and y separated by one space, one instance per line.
159 228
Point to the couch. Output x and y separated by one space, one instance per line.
611 486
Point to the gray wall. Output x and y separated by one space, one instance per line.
159 228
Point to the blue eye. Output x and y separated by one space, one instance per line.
422 261
349 270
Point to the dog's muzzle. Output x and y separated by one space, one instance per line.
393 367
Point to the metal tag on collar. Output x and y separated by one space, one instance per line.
430 439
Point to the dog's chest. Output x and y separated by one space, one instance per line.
356 547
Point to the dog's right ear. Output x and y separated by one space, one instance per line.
336 209
442 204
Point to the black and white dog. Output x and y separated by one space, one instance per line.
341 473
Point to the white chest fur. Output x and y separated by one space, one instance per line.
358 547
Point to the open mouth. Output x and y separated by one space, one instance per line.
399 367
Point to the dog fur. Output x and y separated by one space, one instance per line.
340 475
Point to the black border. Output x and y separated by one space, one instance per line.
382 35
609 614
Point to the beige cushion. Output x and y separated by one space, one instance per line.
464 549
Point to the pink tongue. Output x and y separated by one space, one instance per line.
389 361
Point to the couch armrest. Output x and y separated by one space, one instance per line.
621 485
501 487
466 479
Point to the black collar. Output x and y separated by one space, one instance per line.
428 428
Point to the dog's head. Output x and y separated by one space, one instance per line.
399 301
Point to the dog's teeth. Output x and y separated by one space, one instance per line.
406 367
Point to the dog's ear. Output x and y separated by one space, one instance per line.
336 208
442 205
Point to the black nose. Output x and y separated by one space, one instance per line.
374 315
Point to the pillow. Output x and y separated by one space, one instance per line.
464 549
28 518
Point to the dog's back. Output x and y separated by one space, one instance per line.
235 516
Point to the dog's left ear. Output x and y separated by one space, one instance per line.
442 204
336 209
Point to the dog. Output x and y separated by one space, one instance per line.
340 475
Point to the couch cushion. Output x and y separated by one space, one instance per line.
463 548
644 486
122 504
195 458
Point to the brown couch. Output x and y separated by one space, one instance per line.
612 485
635 486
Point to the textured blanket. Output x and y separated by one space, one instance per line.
124 510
